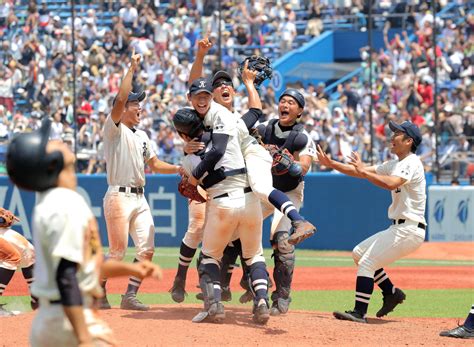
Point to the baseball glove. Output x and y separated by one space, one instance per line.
6 218
282 160
261 65
189 191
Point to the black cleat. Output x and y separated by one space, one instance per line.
391 301
226 294
261 312
353 316
300 231
131 302
461 332
177 291
247 296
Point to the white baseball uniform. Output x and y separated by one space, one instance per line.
16 252
407 209
65 231
125 207
196 215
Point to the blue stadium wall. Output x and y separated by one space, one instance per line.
346 210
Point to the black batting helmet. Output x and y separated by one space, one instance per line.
187 122
295 94
28 164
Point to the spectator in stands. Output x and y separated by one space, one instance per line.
287 34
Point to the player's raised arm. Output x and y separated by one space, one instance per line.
125 88
204 46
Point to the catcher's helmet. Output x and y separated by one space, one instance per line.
260 64
187 122
28 164
295 94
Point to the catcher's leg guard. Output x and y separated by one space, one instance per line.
284 258
209 282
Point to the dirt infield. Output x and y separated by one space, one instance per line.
170 325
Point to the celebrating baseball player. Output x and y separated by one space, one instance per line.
405 178
233 211
15 252
67 242
465 331
127 151
258 166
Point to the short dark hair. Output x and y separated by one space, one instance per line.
413 146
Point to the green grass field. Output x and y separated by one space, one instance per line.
452 303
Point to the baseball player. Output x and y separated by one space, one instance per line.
405 178
15 252
127 151
69 252
233 211
286 133
465 331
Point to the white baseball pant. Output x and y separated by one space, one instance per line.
128 213
385 247
196 214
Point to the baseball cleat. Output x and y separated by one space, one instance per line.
131 302
177 291
226 294
391 301
461 332
215 314
261 312
103 303
247 296
300 231
353 316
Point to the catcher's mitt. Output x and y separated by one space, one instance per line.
6 218
189 191
261 65
283 162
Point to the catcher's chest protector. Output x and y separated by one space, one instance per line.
289 143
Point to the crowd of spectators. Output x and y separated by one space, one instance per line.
36 76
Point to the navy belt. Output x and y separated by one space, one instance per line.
134 190
401 221
246 190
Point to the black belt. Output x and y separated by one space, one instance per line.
55 302
401 221
134 190
246 190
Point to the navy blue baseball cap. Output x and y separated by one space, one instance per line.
200 85
295 94
139 96
410 129
221 75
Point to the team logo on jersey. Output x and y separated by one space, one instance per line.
463 211
219 125
439 210
146 152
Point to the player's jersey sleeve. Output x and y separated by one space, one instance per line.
111 130
310 148
385 168
405 169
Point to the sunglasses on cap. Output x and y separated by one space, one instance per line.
221 83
